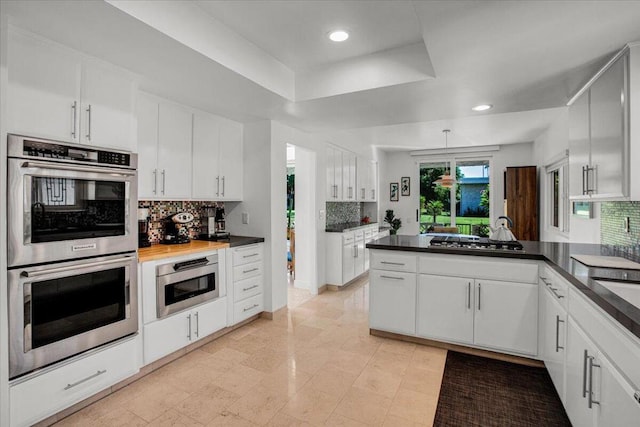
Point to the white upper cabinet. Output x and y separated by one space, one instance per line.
367 177
349 189
217 158
334 174
602 125
55 92
164 145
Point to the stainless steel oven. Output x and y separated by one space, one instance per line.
62 309
68 201
181 285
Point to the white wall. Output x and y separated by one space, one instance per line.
394 165
305 203
547 148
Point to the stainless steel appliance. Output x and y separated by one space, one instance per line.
480 243
62 309
184 284
143 228
66 201
212 220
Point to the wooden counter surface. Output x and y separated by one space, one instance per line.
158 251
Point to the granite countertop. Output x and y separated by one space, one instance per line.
160 251
347 226
558 256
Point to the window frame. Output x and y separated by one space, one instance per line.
561 167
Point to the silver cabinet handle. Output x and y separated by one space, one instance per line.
363 190
164 176
636 396
249 288
97 374
49 271
252 307
218 185
590 401
584 180
373 194
223 186
155 181
189 323
89 123
355 251
197 331
250 255
558 321
544 280
479 295
469 296
391 263
73 168
250 270
555 293
74 118
584 373
392 277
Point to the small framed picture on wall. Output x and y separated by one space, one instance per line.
394 192
405 186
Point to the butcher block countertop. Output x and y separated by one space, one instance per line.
158 251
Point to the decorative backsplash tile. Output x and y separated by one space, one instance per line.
342 212
158 210
612 231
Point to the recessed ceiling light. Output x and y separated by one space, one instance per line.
338 35
482 107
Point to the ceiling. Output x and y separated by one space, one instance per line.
409 68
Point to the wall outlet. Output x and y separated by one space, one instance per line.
245 217
322 214
625 224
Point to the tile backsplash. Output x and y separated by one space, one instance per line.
160 209
612 232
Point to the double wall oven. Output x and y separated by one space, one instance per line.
71 255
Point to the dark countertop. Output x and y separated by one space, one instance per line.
347 226
235 241
557 256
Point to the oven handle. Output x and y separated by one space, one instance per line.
73 168
74 267
27 317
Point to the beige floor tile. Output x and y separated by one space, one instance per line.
378 381
248 344
283 420
259 406
364 406
429 358
398 347
310 360
230 355
390 362
311 405
423 381
348 362
414 406
286 380
173 418
187 378
337 420
154 401
266 361
79 419
119 418
332 381
305 333
227 419
395 421
240 379
206 404
366 346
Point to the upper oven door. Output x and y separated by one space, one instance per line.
59 211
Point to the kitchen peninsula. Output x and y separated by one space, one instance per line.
536 302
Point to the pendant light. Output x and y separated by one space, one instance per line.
446 180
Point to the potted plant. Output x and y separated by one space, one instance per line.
395 223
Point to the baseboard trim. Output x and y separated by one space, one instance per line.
460 348
269 315
322 289
363 277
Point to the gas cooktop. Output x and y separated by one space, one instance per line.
481 243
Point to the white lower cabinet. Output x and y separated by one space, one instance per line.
392 297
246 268
165 336
347 256
35 398
553 338
486 313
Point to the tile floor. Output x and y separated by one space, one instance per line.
314 364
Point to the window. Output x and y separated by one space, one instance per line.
558 196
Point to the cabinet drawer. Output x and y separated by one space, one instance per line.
245 271
368 233
479 267
247 308
358 235
42 396
247 254
348 238
244 289
557 287
393 261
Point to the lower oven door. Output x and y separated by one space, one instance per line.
59 310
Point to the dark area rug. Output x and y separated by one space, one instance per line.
483 392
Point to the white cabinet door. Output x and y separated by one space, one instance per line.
392 301
579 348
147 114
617 407
230 160
44 88
506 316
608 140
107 113
349 176
334 175
579 146
553 343
209 318
166 336
174 151
362 178
348 262
445 308
206 142
359 260
372 182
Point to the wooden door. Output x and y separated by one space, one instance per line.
522 201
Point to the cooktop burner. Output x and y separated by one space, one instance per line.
475 243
